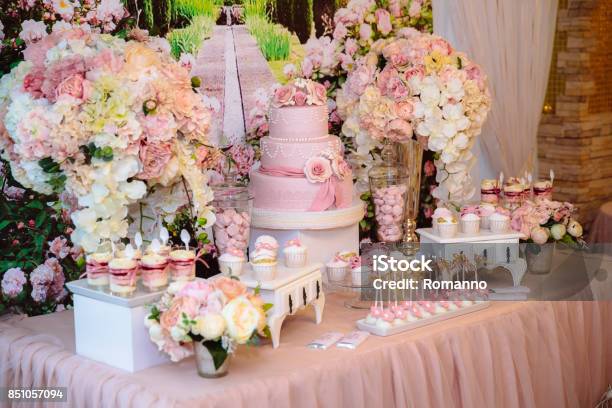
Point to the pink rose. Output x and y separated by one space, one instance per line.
442 46
318 169
383 21
32 82
429 168
539 235
58 72
154 157
231 288
395 54
399 130
72 86
283 96
419 72
300 98
391 85
365 32
198 290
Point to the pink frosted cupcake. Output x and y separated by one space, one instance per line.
470 224
97 269
485 210
337 268
295 254
182 265
231 262
123 276
154 271
500 221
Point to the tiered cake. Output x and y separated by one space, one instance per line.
302 166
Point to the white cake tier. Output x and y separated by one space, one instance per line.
298 123
319 220
281 153
293 194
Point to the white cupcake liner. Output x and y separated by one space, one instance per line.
470 227
447 230
357 277
264 272
233 268
295 260
500 226
484 222
434 226
336 273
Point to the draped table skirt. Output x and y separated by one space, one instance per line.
529 354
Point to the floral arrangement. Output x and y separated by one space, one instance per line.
300 92
220 314
113 125
417 85
37 257
327 164
23 22
547 221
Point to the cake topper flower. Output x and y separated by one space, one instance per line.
300 92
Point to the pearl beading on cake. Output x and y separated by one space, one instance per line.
299 139
276 118
291 150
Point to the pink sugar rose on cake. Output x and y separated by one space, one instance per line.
318 170
283 96
299 98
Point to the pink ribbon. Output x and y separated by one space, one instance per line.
326 196
470 209
293 242
265 245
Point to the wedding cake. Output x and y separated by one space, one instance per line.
302 166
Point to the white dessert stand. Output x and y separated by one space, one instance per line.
110 329
292 289
498 249
323 232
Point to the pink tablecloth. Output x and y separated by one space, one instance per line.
509 355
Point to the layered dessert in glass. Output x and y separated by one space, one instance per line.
182 265
123 276
154 271
96 267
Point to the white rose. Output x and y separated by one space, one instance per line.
210 326
178 333
557 231
574 229
156 333
242 319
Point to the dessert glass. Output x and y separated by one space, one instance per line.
96 267
182 265
123 276
154 271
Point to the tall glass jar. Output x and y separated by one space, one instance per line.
388 185
233 206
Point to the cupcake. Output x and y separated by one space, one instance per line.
232 262
122 276
182 265
264 257
489 191
500 222
347 255
356 274
440 212
154 271
336 268
295 254
470 223
96 267
484 211
447 226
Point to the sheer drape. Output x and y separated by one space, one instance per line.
512 40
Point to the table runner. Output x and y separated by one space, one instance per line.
512 354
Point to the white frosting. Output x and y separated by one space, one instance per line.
499 217
227 257
470 217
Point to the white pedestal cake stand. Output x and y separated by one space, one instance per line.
292 289
323 232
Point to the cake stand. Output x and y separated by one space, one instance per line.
324 233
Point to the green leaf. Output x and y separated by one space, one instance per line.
216 350
41 218
267 306
35 205
4 224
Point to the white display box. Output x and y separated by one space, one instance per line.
110 329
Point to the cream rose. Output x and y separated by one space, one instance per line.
318 170
210 326
242 318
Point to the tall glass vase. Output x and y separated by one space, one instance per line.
410 157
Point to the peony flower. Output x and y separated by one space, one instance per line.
199 290
59 247
317 169
539 235
242 318
383 21
180 305
12 282
154 157
210 326
32 31
231 288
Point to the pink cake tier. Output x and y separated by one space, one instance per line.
293 194
275 152
298 123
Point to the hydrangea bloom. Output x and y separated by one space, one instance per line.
12 282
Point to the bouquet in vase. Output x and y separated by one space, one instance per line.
218 315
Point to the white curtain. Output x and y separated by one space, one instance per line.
512 40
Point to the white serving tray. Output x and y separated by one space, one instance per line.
140 297
461 237
362 325
284 275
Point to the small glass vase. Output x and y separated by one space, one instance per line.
539 258
205 362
